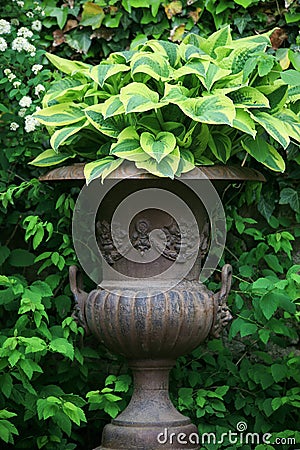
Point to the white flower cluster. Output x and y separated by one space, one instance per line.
17 84
38 89
20 43
30 124
15 22
25 32
36 25
25 101
11 76
36 68
14 126
22 112
3 44
5 27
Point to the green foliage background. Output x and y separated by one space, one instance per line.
58 388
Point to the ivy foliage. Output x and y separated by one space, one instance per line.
59 388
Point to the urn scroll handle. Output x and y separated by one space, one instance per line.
222 315
80 296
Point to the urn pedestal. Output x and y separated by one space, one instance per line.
152 318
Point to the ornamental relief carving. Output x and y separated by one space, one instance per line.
168 241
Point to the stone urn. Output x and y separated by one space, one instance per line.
153 310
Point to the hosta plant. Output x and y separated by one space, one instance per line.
168 107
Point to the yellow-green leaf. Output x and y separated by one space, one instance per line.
68 66
152 64
137 97
264 153
213 109
102 72
60 115
50 158
61 136
159 146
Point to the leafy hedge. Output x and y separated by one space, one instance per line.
58 388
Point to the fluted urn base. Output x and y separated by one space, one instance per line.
150 421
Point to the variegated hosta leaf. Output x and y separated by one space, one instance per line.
186 162
239 56
149 122
220 146
62 135
292 123
244 122
128 146
50 158
101 168
60 115
264 153
67 66
193 39
121 57
249 97
213 74
165 168
159 146
102 72
213 109
189 51
152 64
276 94
198 67
174 93
229 83
220 38
105 126
168 49
64 89
112 107
273 126
137 97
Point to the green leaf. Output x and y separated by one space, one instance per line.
50 158
275 127
198 68
159 146
60 115
92 15
289 196
137 97
101 168
106 126
249 97
279 372
21 258
61 136
61 345
112 107
68 66
75 413
128 146
4 253
244 122
264 153
291 77
247 328
166 168
220 145
273 263
220 38
152 64
103 71
268 304
213 109
168 49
